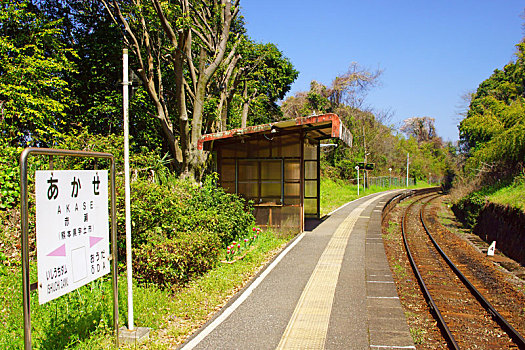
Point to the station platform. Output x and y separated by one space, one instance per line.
330 288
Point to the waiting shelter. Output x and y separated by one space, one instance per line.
277 166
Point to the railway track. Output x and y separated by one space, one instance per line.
466 319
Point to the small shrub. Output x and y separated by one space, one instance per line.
467 209
173 261
217 211
9 177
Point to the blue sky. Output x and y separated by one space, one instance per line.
431 52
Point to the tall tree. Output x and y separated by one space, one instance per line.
351 87
267 77
255 78
33 65
183 43
347 90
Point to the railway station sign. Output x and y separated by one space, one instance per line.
72 230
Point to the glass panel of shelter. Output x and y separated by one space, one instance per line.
260 180
311 179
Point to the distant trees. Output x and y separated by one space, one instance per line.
374 139
421 128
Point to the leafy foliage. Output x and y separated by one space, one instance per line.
179 228
467 209
264 77
492 134
34 92
9 177
173 261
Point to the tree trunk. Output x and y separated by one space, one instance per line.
245 106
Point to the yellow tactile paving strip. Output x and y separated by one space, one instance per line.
308 327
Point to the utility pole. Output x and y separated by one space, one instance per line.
408 162
364 160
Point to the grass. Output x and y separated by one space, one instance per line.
400 271
511 195
418 335
61 323
83 319
335 193
391 231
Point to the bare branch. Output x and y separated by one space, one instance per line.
193 71
165 23
192 95
203 21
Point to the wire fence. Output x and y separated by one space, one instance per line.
393 181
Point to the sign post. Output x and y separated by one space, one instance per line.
357 168
73 242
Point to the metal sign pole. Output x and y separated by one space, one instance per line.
25 247
127 190
25 232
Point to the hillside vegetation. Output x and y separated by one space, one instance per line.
492 140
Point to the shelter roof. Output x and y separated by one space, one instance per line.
319 127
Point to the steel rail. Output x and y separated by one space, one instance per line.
426 293
511 331
391 203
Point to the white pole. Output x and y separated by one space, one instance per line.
408 162
125 101
357 168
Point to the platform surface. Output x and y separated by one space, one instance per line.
331 288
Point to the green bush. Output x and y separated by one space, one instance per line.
167 214
467 209
178 228
219 212
9 177
173 261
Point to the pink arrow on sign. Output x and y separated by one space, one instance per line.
60 251
94 240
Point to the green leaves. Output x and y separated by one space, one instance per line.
493 132
9 177
178 228
34 63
